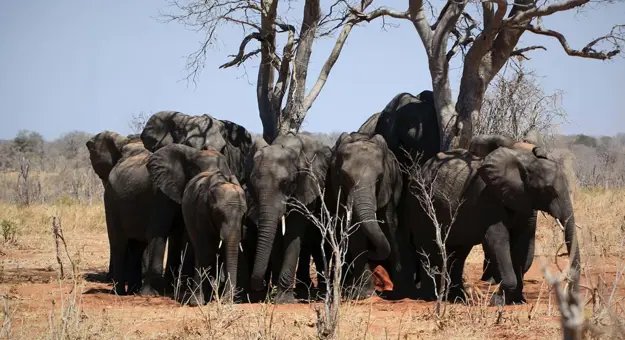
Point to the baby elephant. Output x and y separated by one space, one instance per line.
213 208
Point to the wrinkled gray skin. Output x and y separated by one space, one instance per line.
493 191
407 123
213 207
369 177
481 146
120 164
281 172
200 132
410 128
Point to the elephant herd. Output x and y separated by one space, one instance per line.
220 202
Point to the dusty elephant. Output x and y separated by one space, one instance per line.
486 196
481 146
199 132
213 206
292 168
367 175
120 162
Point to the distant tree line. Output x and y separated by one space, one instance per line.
33 170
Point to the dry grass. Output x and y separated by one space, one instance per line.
37 304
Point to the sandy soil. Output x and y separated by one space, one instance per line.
35 298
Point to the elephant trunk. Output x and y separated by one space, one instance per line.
562 209
365 214
269 214
232 258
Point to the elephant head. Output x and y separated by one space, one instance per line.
525 182
173 166
482 145
293 167
105 150
199 132
369 177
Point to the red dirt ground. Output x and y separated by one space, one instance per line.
29 281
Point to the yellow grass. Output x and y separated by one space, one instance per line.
32 291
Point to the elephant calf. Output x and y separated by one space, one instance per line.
213 208
491 198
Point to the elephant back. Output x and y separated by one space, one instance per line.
409 123
450 172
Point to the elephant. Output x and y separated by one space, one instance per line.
483 197
293 167
367 175
120 163
200 132
481 146
409 124
410 127
213 206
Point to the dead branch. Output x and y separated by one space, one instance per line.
241 57
616 38
521 51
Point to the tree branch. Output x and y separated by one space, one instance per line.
587 51
355 17
520 52
285 68
241 56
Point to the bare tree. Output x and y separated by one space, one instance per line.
515 104
486 47
278 75
137 122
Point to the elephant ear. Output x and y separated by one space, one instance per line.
391 184
157 130
167 170
105 150
258 143
313 163
506 177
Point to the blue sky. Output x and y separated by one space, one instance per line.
89 65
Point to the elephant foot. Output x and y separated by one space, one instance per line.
285 296
148 290
507 298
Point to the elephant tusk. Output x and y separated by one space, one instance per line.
560 224
283 226
219 247
240 247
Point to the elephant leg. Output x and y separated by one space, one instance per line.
180 258
120 266
522 243
118 248
490 273
200 283
292 245
525 227
400 265
361 283
456 264
161 219
135 263
498 237
303 282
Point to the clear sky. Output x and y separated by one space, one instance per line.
89 65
